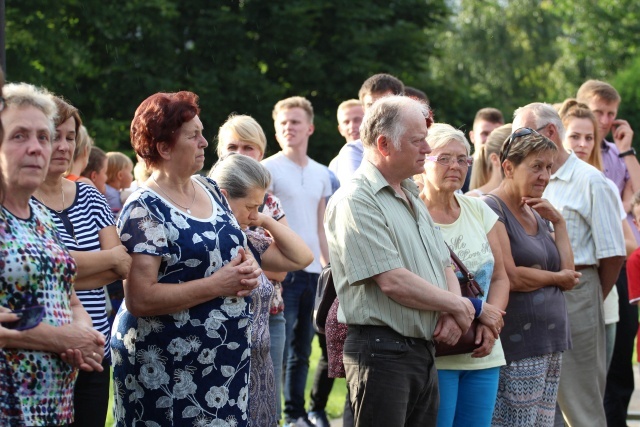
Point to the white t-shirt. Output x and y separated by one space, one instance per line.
300 190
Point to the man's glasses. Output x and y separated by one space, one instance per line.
517 134
444 160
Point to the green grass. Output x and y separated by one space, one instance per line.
335 405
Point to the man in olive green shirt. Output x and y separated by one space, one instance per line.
392 273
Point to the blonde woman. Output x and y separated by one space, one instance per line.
486 174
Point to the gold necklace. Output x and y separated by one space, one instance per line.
63 203
188 209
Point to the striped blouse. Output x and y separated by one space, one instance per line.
78 226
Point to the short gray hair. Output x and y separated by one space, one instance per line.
441 134
385 118
28 95
238 175
543 115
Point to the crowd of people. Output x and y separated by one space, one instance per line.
192 293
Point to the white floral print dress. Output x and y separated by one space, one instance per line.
189 368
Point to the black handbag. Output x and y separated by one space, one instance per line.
325 295
469 288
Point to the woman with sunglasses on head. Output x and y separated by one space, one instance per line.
468 382
540 267
581 134
244 183
86 226
37 272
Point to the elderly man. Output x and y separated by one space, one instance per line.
392 273
580 192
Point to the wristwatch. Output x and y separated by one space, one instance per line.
628 152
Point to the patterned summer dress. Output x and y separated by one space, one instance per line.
189 368
262 387
35 269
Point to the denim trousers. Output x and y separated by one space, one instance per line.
467 397
392 379
298 293
277 332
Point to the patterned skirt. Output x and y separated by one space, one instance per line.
527 392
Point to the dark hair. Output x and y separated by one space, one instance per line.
95 163
416 94
381 83
157 119
65 112
491 115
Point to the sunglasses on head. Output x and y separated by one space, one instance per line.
517 134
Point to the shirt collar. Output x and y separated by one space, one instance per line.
378 182
566 171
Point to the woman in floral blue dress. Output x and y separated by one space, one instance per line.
180 341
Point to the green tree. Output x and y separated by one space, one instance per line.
240 56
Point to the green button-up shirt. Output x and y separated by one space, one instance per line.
371 230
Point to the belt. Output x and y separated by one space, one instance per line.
584 266
386 331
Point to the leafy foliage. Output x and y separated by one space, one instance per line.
238 56
244 55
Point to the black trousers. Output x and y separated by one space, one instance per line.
91 397
392 379
620 384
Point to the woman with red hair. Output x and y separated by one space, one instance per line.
181 337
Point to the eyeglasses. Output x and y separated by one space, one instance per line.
444 160
517 134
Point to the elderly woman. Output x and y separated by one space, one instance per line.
486 174
181 339
540 267
242 134
468 382
244 183
38 270
86 227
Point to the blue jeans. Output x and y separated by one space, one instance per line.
298 293
277 332
477 389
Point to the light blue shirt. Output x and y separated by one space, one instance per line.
347 161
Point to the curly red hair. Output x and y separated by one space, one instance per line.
157 120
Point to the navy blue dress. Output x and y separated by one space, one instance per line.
189 368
